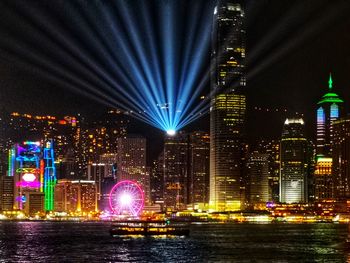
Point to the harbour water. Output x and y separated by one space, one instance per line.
91 242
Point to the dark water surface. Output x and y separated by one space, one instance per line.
90 242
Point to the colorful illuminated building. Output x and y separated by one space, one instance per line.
228 107
27 169
329 109
31 164
50 179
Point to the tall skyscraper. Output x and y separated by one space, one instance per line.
258 179
272 148
228 107
324 187
198 193
176 171
157 179
329 110
295 163
105 168
341 158
131 162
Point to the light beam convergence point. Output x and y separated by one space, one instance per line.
171 132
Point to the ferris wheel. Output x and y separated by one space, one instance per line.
126 197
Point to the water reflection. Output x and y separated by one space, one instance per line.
91 242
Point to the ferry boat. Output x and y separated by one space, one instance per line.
149 228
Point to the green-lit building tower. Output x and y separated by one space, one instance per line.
329 109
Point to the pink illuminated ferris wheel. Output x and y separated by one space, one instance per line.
126 197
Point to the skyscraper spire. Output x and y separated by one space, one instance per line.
329 109
330 82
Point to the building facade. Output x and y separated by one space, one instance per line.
324 186
272 148
77 197
6 193
105 168
228 107
176 171
295 163
341 158
199 169
258 179
157 179
131 162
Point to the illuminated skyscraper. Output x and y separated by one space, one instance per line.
295 163
105 168
228 107
258 179
329 110
198 193
131 162
271 148
323 179
176 171
157 179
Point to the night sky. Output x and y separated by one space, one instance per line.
291 46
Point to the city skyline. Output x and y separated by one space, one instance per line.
230 116
174 131
264 89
